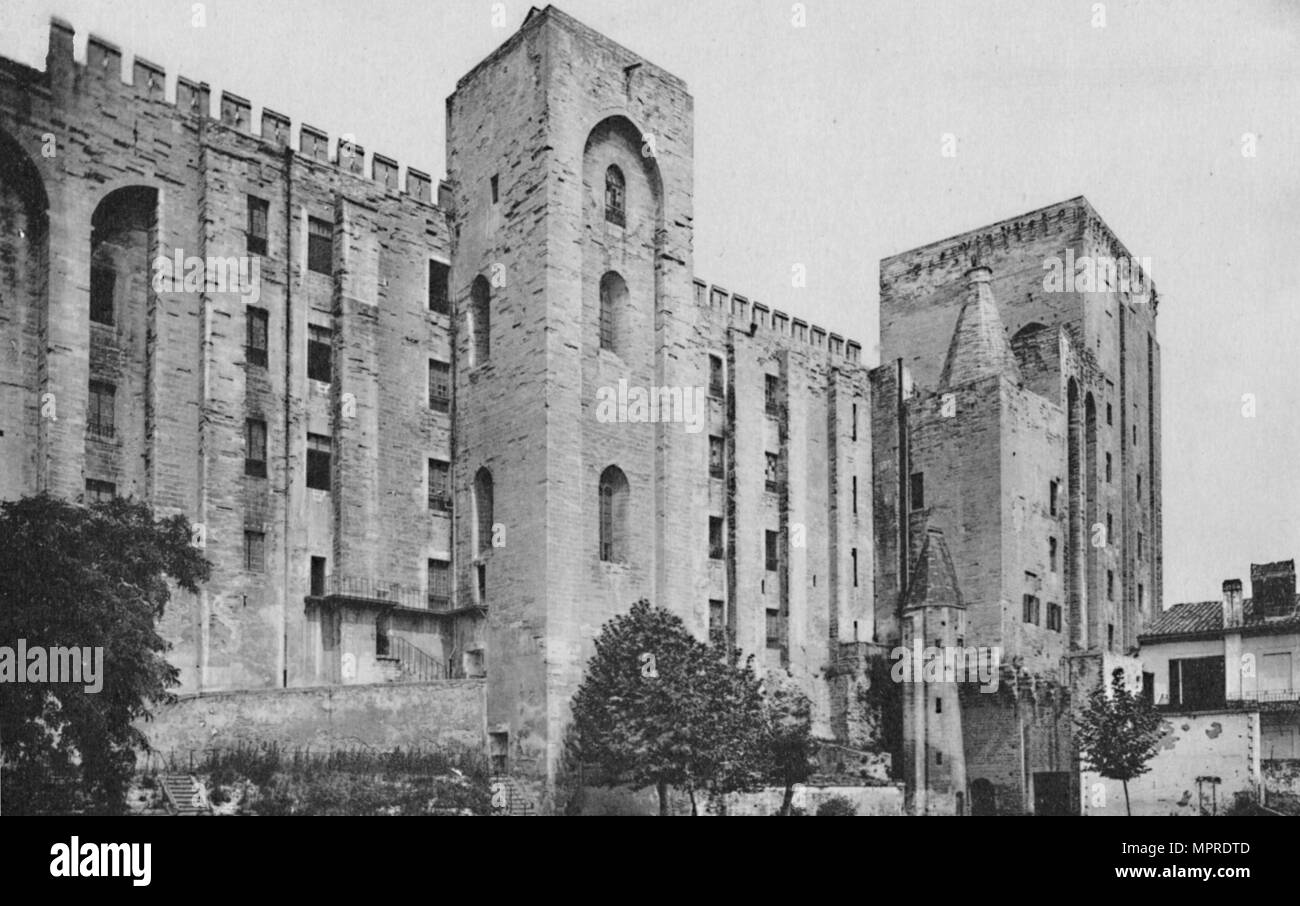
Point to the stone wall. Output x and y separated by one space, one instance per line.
381 716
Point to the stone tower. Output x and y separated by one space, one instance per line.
934 622
570 161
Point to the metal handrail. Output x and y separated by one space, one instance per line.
415 662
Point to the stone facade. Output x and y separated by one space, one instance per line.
399 445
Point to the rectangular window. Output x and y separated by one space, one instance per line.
102 282
772 472
255 329
855 495
1142 598
1197 683
938 706
257 232
320 246
774 629
1051 553
1110 418
771 560
439 297
717 457
439 386
1110 636
1110 585
439 486
1141 546
439 584
717 625
99 411
317 576
771 394
255 447
1139 480
1108 463
383 625
496 189
255 551
318 462
715 537
717 386
320 349
99 491
499 751
1110 528
1030 612
853 556
1054 617
1053 489
917 490
853 422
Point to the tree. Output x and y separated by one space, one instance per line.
91 578
659 708
789 746
1118 733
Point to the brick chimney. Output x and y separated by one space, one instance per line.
1232 616
1272 587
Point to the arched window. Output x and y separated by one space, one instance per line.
613 312
613 515
615 196
483 511
480 316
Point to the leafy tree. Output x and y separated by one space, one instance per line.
659 708
89 577
1118 733
789 746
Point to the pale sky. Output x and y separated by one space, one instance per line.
821 146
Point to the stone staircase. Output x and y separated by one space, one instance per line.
183 796
508 799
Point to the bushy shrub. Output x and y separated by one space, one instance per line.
836 806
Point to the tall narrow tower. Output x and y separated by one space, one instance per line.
570 161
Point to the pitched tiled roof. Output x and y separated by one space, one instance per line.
1207 617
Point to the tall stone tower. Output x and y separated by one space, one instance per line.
1020 414
570 160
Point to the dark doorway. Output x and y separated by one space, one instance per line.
1052 793
983 800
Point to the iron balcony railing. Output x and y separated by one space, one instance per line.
437 598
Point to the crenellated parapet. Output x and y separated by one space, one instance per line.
755 316
147 81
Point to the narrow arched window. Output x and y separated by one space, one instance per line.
615 196
613 311
483 511
613 515
480 316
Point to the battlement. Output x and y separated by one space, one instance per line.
145 80
755 316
